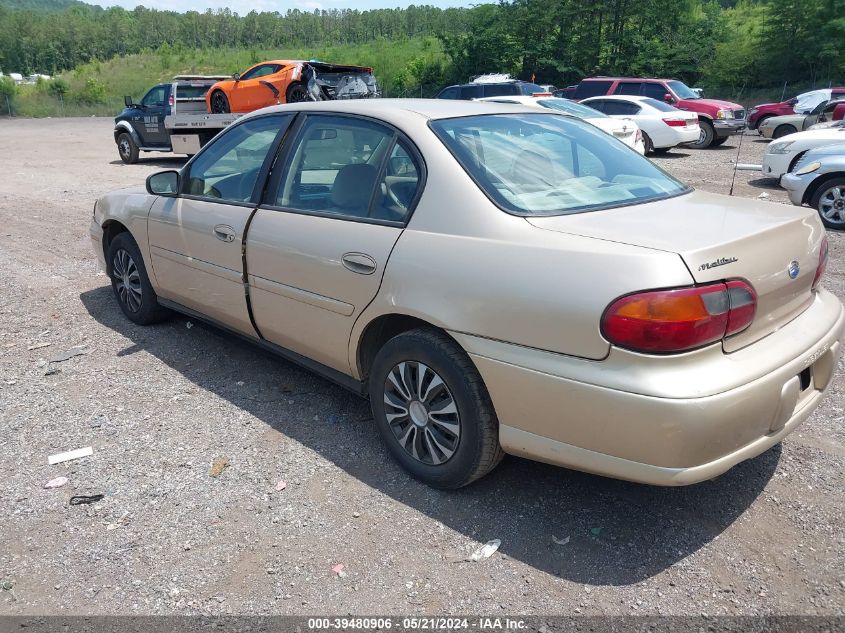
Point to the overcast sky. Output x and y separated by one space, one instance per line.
242 7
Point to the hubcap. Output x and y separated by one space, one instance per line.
124 147
127 280
832 204
421 413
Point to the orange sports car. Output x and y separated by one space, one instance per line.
285 81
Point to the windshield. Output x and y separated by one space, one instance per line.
682 90
546 164
570 107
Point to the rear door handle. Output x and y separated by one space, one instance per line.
224 233
359 263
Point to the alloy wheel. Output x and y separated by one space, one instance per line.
127 280
422 413
125 149
832 204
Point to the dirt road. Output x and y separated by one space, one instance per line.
160 404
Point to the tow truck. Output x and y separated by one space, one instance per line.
171 117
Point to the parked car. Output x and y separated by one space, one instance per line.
801 104
780 126
492 85
783 154
170 117
285 81
663 126
717 120
405 249
626 130
818 179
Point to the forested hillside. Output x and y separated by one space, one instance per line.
45 6
729 47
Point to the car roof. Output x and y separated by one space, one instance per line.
637 98
626 79
389 108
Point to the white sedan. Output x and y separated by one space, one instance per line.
626 131
663 126
782 154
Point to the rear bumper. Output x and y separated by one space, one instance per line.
728 127
662 420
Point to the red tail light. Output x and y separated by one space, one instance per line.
170 100
675 122
680 319
823 255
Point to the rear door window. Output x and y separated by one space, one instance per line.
500 90
592 89
628 88
472 91
621 108
451 92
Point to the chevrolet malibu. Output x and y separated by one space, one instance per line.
496 279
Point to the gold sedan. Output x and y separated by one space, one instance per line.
496 280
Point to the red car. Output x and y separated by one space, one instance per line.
760 113
717 119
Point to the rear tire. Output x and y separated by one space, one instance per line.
421 374
706 135
130 282
829 200
649 146
296 93
220 103
784 130
127 149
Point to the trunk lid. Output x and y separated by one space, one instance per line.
719 237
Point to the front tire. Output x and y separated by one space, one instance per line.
718 142
220 103
706 135
433 410
829 201
130 282
784 130
127 149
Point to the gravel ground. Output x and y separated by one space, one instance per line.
161 405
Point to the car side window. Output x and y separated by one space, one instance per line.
599 104
398 187
655 91
334 168
591 89
628 88
260 71
499 90
154 98
621 107
228 169
472 91
449 93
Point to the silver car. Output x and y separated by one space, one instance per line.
818 179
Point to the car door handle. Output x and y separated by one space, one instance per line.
224 233
359 263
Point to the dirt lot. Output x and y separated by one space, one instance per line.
160 404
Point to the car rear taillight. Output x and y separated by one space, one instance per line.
823 255
675 122
680 319
170 100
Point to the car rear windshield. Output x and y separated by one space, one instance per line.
530 89
547 164
570 107
592 89
659 105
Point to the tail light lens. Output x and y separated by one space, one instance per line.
676 320
675 122
171 101
823 255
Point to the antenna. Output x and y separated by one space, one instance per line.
736 163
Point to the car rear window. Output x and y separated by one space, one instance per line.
546 164
472 91
500 90
659 105
592 89
530 89
570 107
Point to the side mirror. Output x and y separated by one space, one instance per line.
668 98
164 183
127 101
236 76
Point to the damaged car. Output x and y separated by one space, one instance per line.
285 81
